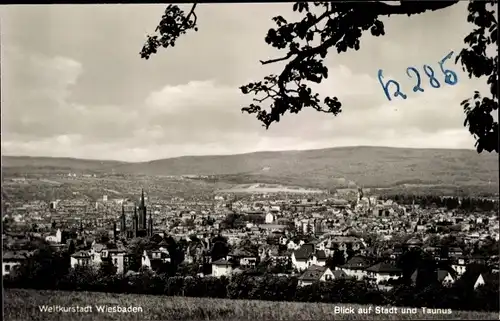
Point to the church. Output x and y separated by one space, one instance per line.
141 226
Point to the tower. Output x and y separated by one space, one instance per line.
135 223
150 227
123 222
142 213
114 232
360 194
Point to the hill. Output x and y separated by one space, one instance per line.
25 305
323 168
57 163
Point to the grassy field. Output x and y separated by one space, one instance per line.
22 305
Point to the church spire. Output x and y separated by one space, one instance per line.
143 213
150 227
135 221
123 221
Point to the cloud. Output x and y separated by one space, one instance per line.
95 98
204 117
35 93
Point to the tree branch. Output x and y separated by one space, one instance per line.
191 12
265 62
409 7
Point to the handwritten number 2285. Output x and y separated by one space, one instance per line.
450 78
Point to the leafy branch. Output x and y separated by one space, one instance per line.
340 25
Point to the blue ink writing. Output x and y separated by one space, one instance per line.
432 80
450 77
385 86
417 86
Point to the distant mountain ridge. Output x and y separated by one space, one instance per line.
321 167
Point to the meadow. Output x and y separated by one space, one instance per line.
21 305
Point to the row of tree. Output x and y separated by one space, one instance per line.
451 203
266 287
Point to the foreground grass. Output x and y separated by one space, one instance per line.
22 305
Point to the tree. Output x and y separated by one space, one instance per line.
175 251
186 269
337 259
102 236
219 250
189 223
137 247
156 238
248 246
71 247
80 278
408 262
340 25
107 268
42 270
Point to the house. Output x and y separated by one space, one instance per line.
413 243
455 252
269 218
120 259
295 245
342 243
356 267
221 267
338 275
444 277
301 256
315 273
97 253
12 259
277 253
306 256
243 258
80 258
478 259
383 271
154 259
397 252
248 260
476 275
459 266
55 238
56 247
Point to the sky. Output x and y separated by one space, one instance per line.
74 85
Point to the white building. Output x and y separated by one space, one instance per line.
12 259
479 281
383 272
355 267
81 258
459 266
55 238
160 255
221 268
315 273
307 256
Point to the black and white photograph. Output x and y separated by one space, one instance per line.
250 161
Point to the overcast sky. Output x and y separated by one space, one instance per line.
74 85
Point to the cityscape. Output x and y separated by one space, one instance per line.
134 188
